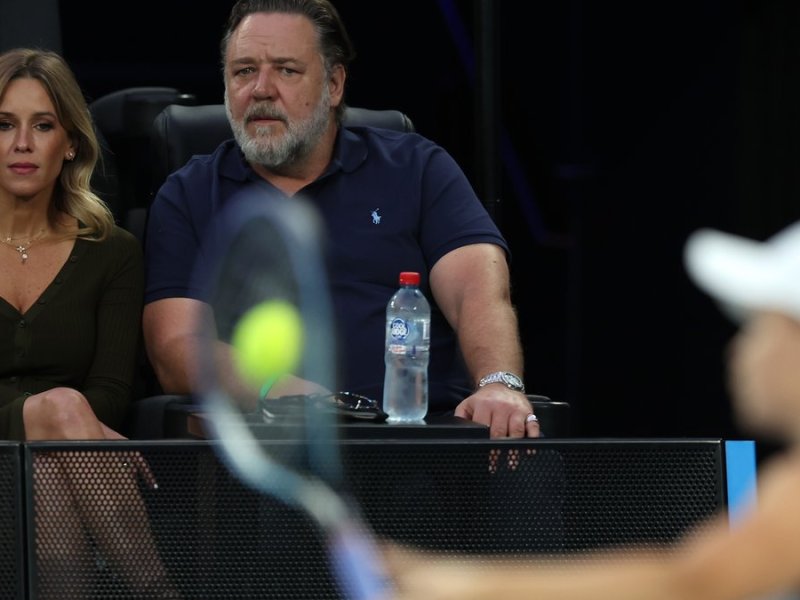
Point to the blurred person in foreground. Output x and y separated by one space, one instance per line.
390 202
71 284
759 283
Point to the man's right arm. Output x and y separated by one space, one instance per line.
174 331
172 338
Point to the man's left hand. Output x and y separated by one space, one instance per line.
503 410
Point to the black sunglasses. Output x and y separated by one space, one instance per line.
345 404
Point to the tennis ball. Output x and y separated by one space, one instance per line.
268 341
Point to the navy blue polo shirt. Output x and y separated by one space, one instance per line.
390 202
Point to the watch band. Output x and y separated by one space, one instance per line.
510 380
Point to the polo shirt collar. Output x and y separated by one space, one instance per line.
233 164
349 152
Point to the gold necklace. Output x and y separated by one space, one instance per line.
22 248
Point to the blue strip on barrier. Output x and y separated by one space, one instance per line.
740 463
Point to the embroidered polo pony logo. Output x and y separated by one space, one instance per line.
376 218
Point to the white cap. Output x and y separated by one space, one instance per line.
746 275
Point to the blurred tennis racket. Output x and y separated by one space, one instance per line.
263 274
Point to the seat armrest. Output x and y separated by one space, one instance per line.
148 417
554 417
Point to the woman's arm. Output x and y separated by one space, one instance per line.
117 343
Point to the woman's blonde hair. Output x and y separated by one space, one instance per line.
72 194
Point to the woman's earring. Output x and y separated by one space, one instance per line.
70 155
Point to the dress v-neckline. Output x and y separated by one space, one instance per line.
51 289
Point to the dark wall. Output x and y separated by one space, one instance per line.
624 127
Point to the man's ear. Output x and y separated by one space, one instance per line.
336 85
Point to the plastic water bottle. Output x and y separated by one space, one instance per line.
408 338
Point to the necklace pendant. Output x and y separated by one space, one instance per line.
23 253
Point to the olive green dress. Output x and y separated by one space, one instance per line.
82 332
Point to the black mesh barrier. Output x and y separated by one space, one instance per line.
166 519
544 497
11 521
629 495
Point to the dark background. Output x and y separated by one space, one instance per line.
621 128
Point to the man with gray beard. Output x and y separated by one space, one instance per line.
390 202
274 153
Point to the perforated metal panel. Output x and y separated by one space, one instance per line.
649 494
545 497
11 538
101 530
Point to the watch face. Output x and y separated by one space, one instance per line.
512 380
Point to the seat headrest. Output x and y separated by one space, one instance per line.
180 132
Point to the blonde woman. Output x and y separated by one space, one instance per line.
70 280
71 285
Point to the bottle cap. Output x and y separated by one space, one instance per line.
409 278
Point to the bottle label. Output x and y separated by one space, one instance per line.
407 337
398 329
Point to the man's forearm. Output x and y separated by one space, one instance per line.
172 365
184 371
489 338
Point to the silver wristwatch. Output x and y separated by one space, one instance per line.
511 381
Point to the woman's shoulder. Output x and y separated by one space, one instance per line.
120 242
122 235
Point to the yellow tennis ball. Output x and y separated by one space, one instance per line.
268 341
